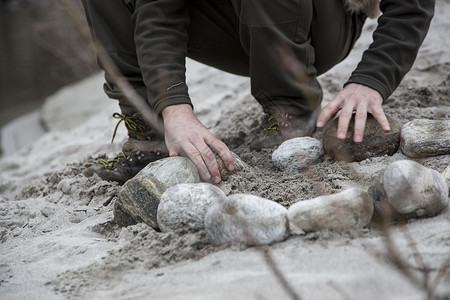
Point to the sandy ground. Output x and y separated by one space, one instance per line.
58 238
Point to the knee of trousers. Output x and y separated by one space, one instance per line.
269 12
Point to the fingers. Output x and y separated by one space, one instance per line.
222 150
360 124
204 160
379 115
354 98
199 149
328 112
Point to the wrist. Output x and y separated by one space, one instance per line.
173 111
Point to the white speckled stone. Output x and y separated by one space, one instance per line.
297 153
350 209
413 190
425 138
183 207
446 175
246 219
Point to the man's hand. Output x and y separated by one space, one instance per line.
186 136
358 98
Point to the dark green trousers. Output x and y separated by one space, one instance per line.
254 38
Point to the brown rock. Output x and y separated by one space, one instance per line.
376 142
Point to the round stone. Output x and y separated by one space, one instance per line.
425 138
376 142
297 153
350 209
172 170
246 219
183 207
410 189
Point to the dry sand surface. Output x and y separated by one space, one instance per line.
58 238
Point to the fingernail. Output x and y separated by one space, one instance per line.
217 179
319 123
230 167
358 138
341 135
387 128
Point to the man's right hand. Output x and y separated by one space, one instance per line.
186 136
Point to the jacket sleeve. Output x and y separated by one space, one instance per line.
161 40
401 30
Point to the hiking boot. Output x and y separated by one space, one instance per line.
278 127
144 145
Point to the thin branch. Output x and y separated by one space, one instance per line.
279 275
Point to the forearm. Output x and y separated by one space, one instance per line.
397 39
161 44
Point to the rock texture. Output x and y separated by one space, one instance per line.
138 201
172 171
424 138
139 197
297 153
246 219
410 189
183 207
446 175
376 142
224 172
350 209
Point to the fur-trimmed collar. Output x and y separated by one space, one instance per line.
369 7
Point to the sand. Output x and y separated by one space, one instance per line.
58 238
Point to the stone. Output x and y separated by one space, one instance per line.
446 175
183 207
425 138
246 219
239 165
376 142
138 200
410 190
347 210
297 153
139 197
172 170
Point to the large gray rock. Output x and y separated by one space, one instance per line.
376 142
297 153
172 171
139 197
138 201
424 138
183 207
350 209
246 219
410 189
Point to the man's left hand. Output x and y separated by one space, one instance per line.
354 98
